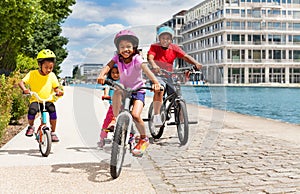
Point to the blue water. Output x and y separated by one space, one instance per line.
275 103
281 104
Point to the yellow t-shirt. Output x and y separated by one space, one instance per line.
43 85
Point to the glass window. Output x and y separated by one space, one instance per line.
283 12
270 38
290 54
249 54
263 55
256 38
277 25
296 1
283 26
270 54
256 54
249 38
256 13
276 54
296 38
243 13
276 38
235 11
236 25
296 54
296 26
236 38
236 54
256 25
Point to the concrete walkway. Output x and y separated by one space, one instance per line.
75 165
226 153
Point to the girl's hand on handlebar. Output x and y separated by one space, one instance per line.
101 80
156 87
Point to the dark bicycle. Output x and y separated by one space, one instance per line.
124 126
172 104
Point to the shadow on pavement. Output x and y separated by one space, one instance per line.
97 172
32 152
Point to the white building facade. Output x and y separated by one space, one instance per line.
245 41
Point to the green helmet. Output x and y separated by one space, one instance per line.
46 54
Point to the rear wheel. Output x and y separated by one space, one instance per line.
45 142
119 145
182 122
156 132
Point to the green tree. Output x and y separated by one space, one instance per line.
27 26
16 25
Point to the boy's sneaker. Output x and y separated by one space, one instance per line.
29 131
157 121
54 137
101 143
141 147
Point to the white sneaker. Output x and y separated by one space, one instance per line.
157 121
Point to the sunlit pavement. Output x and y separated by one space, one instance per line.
226 153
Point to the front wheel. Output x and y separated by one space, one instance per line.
119 145
156 132
182 122
45 141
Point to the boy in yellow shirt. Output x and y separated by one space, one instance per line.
43 82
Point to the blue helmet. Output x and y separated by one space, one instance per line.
165 29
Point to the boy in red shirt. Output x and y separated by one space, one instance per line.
162 55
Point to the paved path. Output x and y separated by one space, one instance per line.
226 153
75 165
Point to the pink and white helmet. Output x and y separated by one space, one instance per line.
126 35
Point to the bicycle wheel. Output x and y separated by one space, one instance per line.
156 132
182 122
118 147
45 141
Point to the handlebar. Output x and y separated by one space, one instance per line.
41 99
116 84
106 98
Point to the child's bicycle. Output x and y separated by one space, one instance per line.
173 103
43 133
123 129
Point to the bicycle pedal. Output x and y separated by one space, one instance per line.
193 122
172 123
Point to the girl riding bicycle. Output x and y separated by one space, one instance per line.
110 120
43 82
162 55
131 66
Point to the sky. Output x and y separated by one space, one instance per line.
91 26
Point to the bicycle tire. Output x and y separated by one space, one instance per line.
119 145
182 122
156 132
45 142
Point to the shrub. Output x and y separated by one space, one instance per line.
19 102
5 103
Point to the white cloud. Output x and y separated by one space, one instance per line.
91 35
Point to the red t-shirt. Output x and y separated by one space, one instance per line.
165 58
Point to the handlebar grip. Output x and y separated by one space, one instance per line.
106 97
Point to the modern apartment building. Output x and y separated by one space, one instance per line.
90 72
245 41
